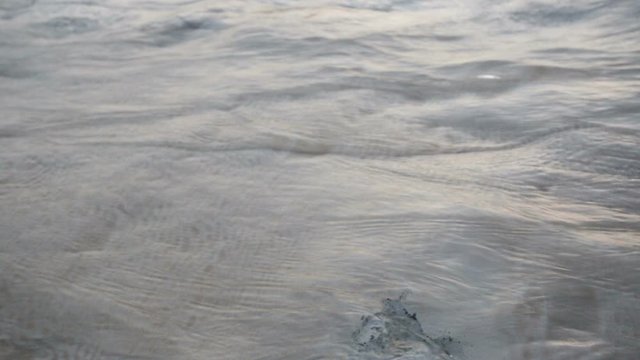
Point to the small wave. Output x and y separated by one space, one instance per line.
177 30
31 171
541 14
420 89
12 5
262 42
44 349
14 70
512 71
61 27
384 6
312 147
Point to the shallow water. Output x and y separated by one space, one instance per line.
247 179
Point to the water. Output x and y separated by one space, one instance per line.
248 179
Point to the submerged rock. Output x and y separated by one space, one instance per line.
396 333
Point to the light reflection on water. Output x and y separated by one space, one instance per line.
245 180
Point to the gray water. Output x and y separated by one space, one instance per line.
248 179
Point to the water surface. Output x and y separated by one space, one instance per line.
247 179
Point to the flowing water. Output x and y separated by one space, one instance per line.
249 179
